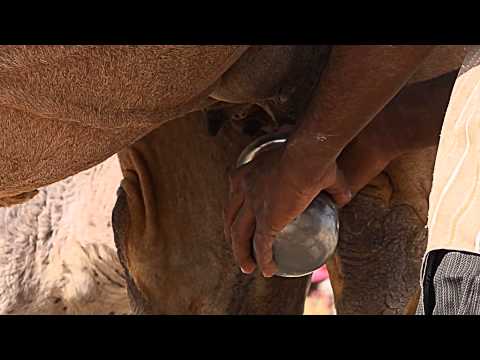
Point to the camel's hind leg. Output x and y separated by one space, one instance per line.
376 268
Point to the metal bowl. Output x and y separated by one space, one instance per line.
304 245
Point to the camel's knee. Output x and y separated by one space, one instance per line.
379 256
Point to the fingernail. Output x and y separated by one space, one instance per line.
245 271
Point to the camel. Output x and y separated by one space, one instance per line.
57 254
178 117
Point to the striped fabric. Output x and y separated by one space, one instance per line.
453 288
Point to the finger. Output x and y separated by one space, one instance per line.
232 206
360 171
263 252
339 190
242 232
360 163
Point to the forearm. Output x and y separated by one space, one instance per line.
416 119
411 121
357 83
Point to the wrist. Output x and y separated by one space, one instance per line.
305 170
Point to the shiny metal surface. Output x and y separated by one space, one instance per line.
304 245
249 153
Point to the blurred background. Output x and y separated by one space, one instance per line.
320 296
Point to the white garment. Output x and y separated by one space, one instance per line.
454 211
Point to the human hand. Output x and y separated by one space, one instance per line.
264 198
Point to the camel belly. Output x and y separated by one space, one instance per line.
65 109
266 71
111 86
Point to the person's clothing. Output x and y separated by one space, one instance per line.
451 269
451 284
453 221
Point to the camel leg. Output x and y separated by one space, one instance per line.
168 227
376 268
